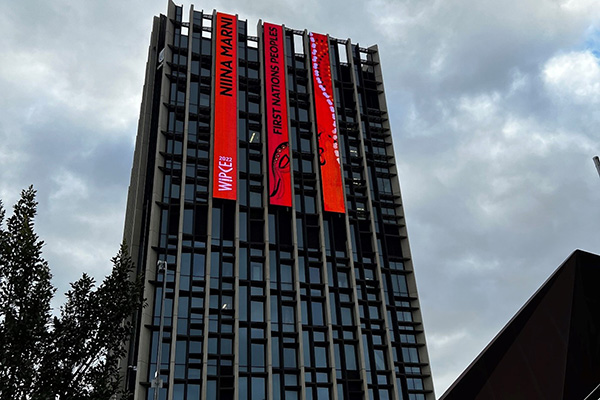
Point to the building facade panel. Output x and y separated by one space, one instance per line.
253 298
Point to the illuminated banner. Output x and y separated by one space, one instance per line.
225 117
329 153
280 183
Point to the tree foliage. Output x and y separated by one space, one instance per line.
71 356
25 294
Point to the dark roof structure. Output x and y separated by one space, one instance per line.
551 347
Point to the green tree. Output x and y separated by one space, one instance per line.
89 337
25 294
71 356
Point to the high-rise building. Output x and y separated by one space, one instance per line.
265 213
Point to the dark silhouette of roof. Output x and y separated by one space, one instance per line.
551 347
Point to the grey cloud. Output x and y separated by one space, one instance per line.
495 167
494 162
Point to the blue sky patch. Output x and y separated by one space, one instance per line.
592 40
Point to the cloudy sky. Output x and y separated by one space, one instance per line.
495 110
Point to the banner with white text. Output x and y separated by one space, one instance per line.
225 109
280 182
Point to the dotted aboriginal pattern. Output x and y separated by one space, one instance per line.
322 77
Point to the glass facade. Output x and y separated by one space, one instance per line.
260 301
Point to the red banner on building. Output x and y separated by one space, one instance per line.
280 182
329 152
225 109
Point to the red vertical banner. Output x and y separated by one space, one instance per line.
329 152
225 109
280 182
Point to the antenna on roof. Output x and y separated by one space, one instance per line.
597 163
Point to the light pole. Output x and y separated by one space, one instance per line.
597 163
157 382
